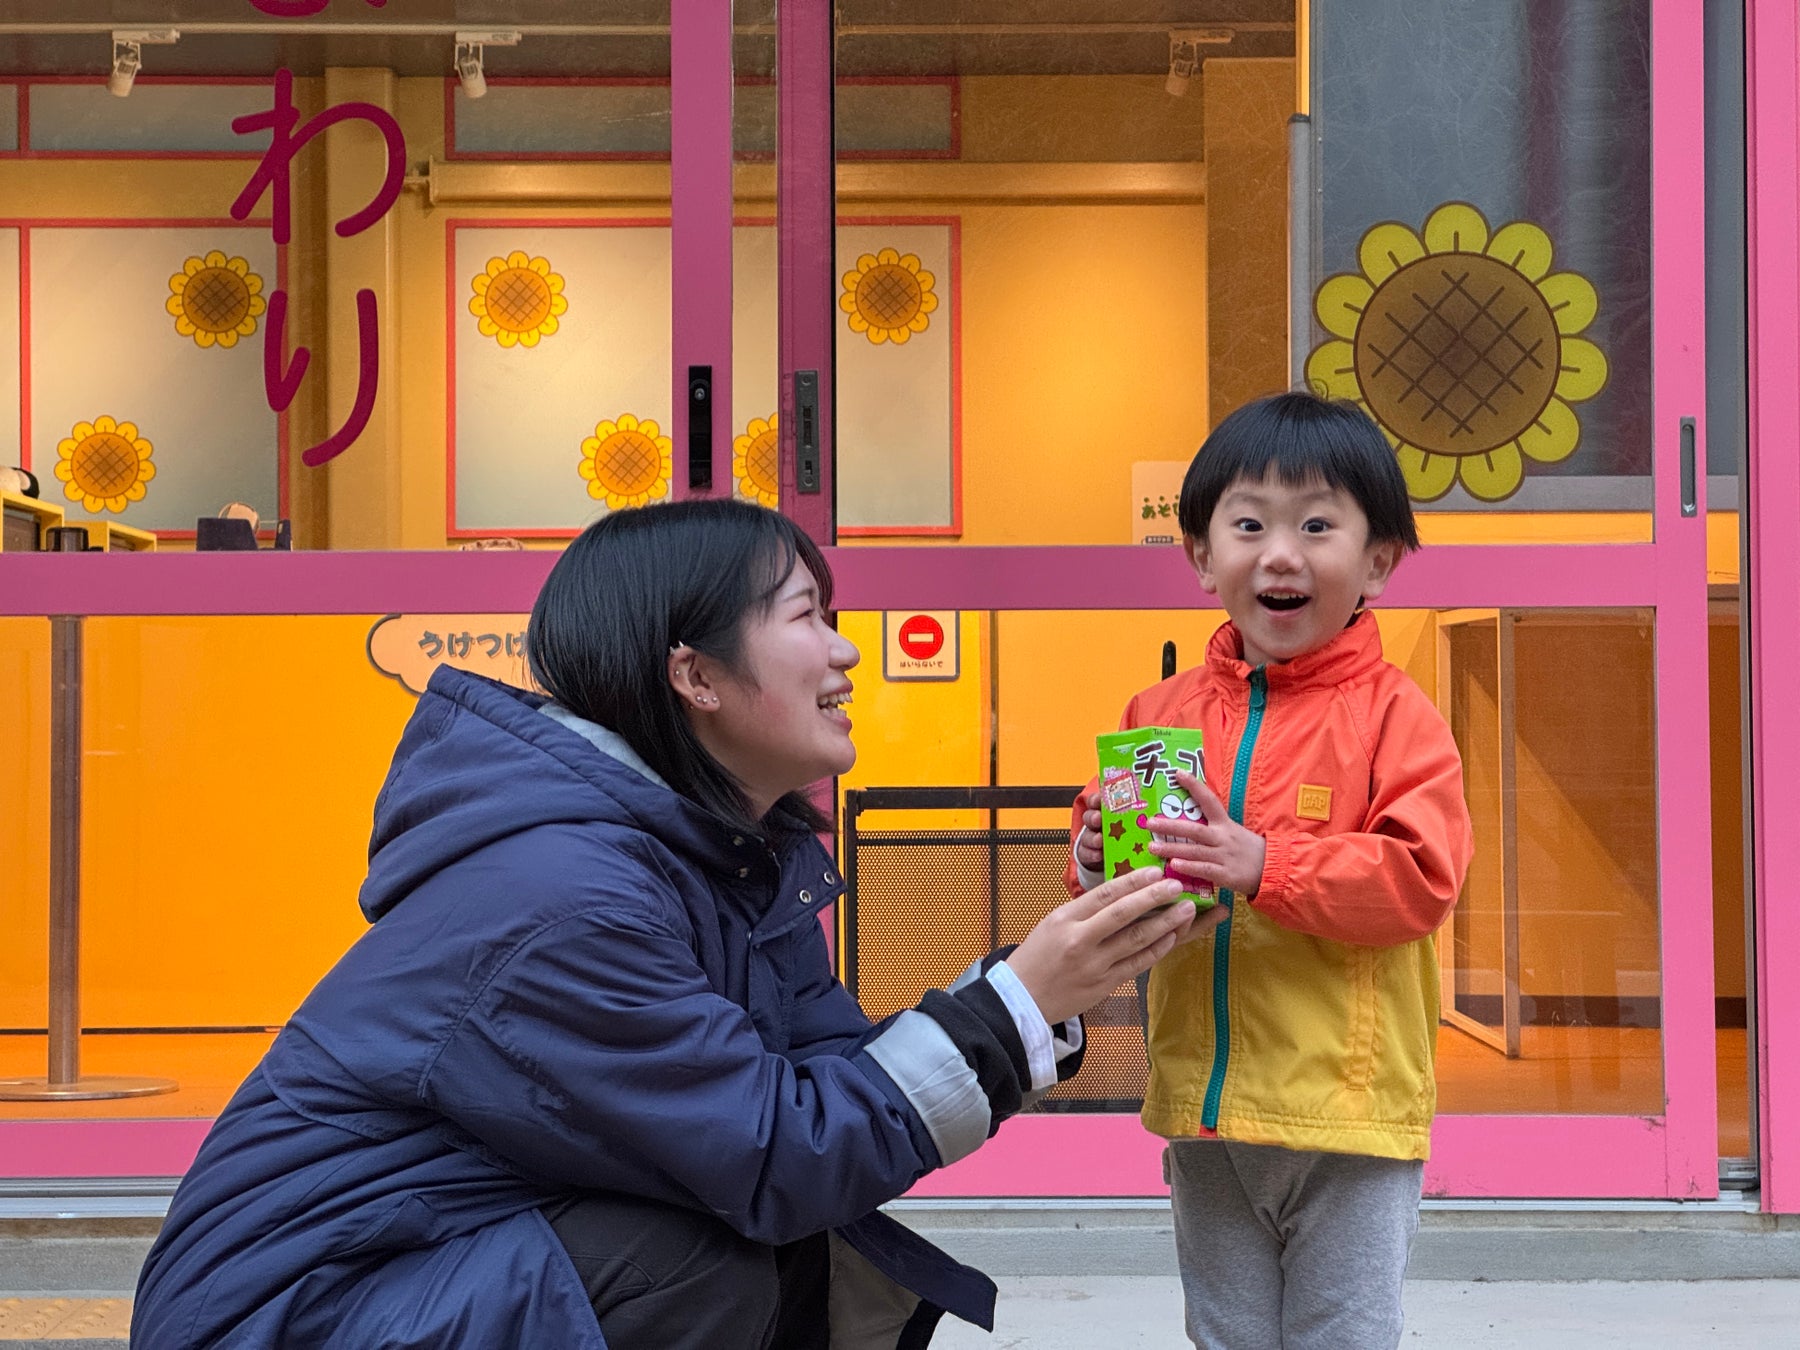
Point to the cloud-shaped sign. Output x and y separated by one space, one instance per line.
408 647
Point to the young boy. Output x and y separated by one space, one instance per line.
1291 1055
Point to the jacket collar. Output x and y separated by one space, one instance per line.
605 740
793 857
1353 653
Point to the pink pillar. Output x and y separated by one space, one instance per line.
700 228
806 232
1774 579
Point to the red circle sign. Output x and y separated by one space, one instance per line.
921 636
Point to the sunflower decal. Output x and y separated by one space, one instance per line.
627 462
517 300
1463 345
104 464
755 460
215 300
887 297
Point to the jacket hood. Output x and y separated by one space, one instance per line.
479 761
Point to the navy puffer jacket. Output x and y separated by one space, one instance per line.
574 979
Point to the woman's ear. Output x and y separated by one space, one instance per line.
688 678
1199 558
1383 558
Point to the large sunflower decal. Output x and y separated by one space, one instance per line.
104 464
627 462
517 299
755 460
887 297
215 300
1462 345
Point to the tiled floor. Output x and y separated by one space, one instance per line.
64 1319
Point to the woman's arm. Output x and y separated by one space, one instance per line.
599 1056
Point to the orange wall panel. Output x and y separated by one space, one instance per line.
230 771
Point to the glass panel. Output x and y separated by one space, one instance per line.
755 424
1559 775
1726 439
197 942
484 356
1096 270
221 850
1731 964
1482 265
1026 262
1552 961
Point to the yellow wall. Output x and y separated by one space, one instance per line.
1084 350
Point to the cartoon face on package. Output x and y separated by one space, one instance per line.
1138 788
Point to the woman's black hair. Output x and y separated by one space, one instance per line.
638 582
1302 438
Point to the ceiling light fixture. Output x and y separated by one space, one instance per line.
468 60
128 55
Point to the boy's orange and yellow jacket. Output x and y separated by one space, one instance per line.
1309 1019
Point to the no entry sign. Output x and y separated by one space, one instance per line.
920 645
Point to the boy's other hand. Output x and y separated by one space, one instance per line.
1218 850
1088 851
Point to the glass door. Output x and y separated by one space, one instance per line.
1065 250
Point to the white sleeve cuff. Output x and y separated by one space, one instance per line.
1088 879
1040 1049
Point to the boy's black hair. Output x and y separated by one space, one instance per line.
638 582
1302 438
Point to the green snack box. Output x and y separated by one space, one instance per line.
1137 785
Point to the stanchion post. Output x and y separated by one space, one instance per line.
64 1082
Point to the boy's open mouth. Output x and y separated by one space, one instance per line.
1281 601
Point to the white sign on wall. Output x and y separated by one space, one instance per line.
1155 495
920 645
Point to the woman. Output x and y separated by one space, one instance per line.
587 1080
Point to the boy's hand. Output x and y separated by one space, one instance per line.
1088 851
1220 850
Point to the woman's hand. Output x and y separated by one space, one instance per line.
1219 850
1080 952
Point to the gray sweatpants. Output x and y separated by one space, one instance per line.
1287 1250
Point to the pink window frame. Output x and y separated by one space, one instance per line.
1673 1154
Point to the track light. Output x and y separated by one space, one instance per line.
468 57
128 55
468 69
1184 54
128 58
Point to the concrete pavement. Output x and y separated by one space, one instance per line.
1042 1312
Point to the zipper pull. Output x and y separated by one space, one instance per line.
1259 689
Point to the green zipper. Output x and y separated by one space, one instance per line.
1240 782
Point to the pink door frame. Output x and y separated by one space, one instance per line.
700 166
1673 1154
1773 173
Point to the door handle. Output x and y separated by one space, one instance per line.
1690 501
